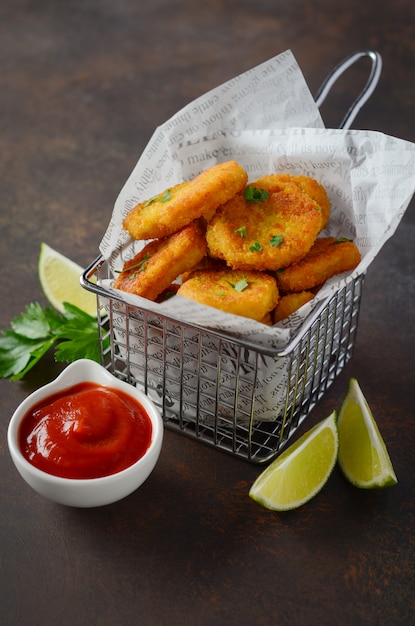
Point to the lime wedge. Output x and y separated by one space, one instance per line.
299 473
363 456
59 278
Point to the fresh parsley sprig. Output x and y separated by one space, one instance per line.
74 334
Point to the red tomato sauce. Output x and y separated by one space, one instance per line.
86 431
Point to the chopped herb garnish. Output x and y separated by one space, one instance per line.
138 267
151 200
166 196
240 285
276 240
241 231
341 239
256 247
253 194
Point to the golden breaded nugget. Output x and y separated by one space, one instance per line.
156 266
267 234
249 294
327 257
289 303
276 182
176 207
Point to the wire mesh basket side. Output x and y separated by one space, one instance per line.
241 400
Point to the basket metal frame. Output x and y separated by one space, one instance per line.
313 359
167 353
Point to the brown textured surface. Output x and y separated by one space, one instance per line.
83 84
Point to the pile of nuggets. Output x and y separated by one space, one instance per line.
248 249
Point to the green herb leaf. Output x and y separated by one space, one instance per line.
241 231
241 284
276 240
138 267
36 354
19 354
79 344
32 323
157 198
150 201
253 194
79 336
256 247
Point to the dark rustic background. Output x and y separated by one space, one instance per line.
83 84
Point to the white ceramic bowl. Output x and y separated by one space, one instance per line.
89 492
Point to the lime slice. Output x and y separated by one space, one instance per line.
299 473
59 278
363 456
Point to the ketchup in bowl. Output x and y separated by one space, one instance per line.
86 431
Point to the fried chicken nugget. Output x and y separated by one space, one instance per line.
267 234
156 266
327 257
249 294
176 207
276 182
289 303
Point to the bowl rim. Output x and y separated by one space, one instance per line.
83 370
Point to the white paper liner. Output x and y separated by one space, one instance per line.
267 120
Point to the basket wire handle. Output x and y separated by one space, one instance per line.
367 90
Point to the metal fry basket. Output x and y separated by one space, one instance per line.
240 398
208 386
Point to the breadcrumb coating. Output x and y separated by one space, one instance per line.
181 204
